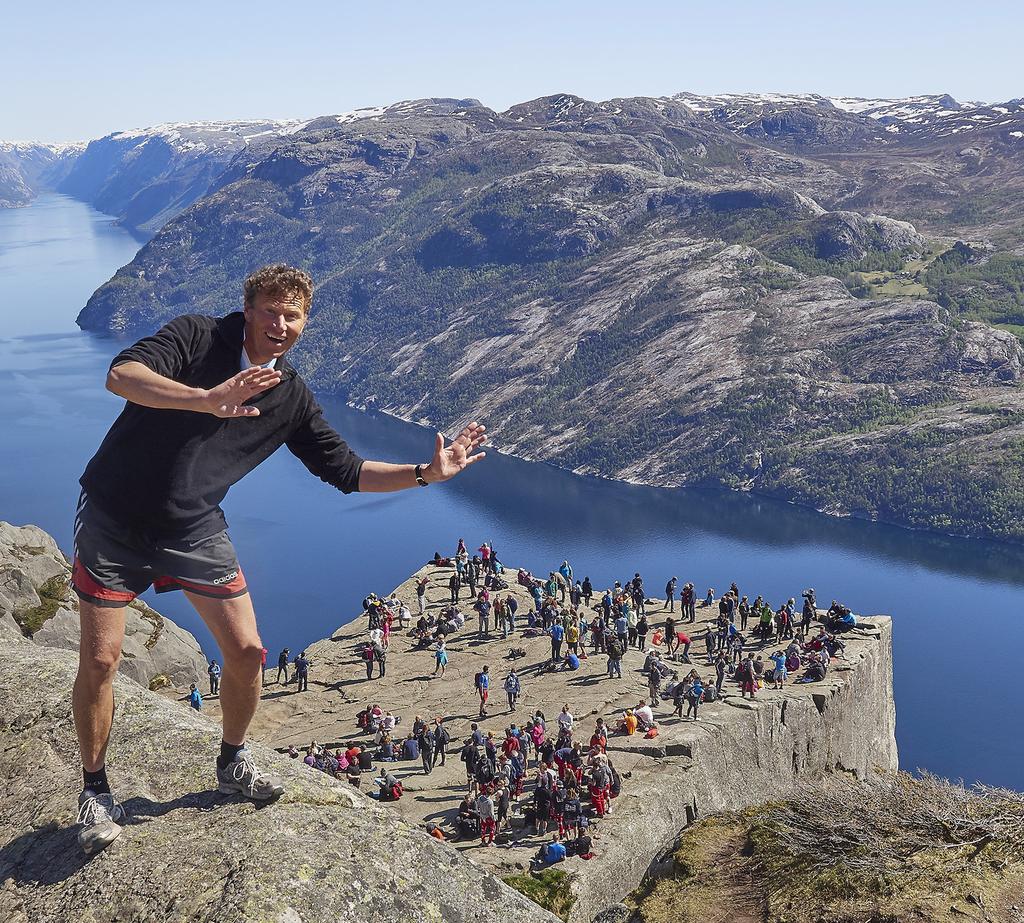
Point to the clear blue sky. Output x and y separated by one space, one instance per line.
78 71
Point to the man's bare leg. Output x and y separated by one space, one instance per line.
102 632
233 625
232 622
92 702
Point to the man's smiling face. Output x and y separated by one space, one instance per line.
272 325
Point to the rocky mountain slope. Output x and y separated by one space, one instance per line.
323 852
148 176
648 289
143 177
28 167
37 603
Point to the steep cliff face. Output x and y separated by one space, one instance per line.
36 602
324 852
28 167
847 723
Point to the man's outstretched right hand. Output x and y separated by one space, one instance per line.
229 399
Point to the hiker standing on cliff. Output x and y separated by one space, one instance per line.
302 672
214 670
282 665
208 399
482 681
512 688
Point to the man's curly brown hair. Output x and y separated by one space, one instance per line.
279 279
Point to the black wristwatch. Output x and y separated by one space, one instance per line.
419 476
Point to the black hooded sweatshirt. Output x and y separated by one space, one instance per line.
164 473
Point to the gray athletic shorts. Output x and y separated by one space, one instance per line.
114 564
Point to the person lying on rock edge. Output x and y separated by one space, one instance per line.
208 399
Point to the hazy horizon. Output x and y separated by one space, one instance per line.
82 75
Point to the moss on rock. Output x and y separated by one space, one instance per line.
53 593
548 888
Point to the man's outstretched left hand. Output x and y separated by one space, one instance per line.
449 460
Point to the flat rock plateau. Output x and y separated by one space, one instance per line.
739 754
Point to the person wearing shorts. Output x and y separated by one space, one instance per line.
207 400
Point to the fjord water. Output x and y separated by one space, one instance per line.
311 554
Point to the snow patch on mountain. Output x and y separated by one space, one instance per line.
57 149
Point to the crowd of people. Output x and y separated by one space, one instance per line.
543 771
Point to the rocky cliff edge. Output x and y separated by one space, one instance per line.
323 852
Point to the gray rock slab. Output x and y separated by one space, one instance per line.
323 852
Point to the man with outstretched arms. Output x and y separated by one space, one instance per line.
208 399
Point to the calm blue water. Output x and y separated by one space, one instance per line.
311 554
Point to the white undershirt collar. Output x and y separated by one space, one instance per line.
247 363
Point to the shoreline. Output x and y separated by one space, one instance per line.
708 486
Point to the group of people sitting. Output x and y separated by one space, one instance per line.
349 764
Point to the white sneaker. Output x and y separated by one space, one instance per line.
242 777
100 817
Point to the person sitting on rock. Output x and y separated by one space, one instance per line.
389 788
386 752
644 716
410 748
628 723
816 670
552 852
467 820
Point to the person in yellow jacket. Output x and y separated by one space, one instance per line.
572 637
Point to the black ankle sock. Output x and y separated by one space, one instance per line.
97 781
228 753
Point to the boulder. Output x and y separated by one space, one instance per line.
36 602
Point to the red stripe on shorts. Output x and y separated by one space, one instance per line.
85 585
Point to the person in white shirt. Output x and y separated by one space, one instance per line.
644 715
